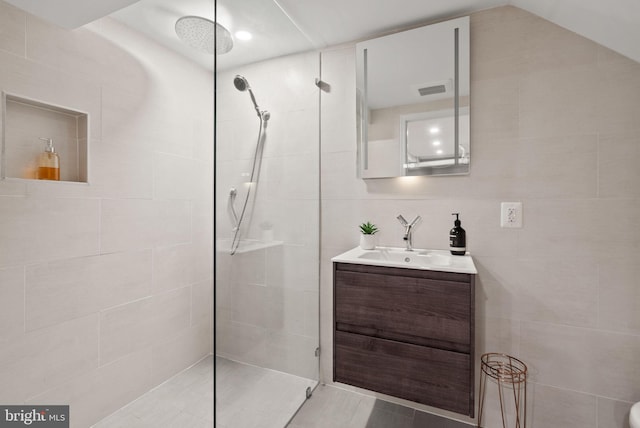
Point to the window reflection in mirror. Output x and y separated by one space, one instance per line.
413 102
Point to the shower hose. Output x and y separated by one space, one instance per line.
253 182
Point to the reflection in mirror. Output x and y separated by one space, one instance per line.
429 142
413 102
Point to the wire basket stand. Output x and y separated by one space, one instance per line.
507 371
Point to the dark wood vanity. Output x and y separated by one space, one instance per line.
408 333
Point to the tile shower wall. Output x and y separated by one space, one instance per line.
267 300
105 288
555 126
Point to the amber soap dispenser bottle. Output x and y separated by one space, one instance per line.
48 162
457 238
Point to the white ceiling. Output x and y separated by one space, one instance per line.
70 13
285 26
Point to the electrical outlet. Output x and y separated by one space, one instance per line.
511 214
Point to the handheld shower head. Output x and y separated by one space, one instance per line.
241 84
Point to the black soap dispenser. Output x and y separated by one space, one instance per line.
457 238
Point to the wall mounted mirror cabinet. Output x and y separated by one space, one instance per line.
413 102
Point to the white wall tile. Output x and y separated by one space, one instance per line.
96 394
561 102
125 329
562 292
67 289
244 342
495 110
13 188
618 237
129 224
497 287
556 227
172 222
86 52
172 267
292 177
203 259
249 268
181 351
617 90
557 167
12 35
143 323
498 33
613 413
293 354
618 154
299 134
59 291
572 358
556 407
170 314
497 335
11 302
292 266
173 177
57 354
338 179
121 168
14 389
36 229
547 47
618 289
201 302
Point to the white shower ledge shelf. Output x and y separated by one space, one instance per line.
246 245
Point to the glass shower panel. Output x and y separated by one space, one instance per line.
267 292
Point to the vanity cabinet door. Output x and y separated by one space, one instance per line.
416 310
418 373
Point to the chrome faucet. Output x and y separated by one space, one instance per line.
408 228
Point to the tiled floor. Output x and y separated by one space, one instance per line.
184 401
254 397
331 407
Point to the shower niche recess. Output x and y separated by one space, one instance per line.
27 124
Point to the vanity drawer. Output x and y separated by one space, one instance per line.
423 311
422 374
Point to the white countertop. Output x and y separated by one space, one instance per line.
424 259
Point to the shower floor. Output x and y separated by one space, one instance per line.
254 397
184 401
246 397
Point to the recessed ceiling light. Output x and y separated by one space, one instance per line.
434 130
438 152
436 143
243 35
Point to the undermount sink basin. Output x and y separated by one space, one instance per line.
441 260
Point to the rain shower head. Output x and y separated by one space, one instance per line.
198 32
